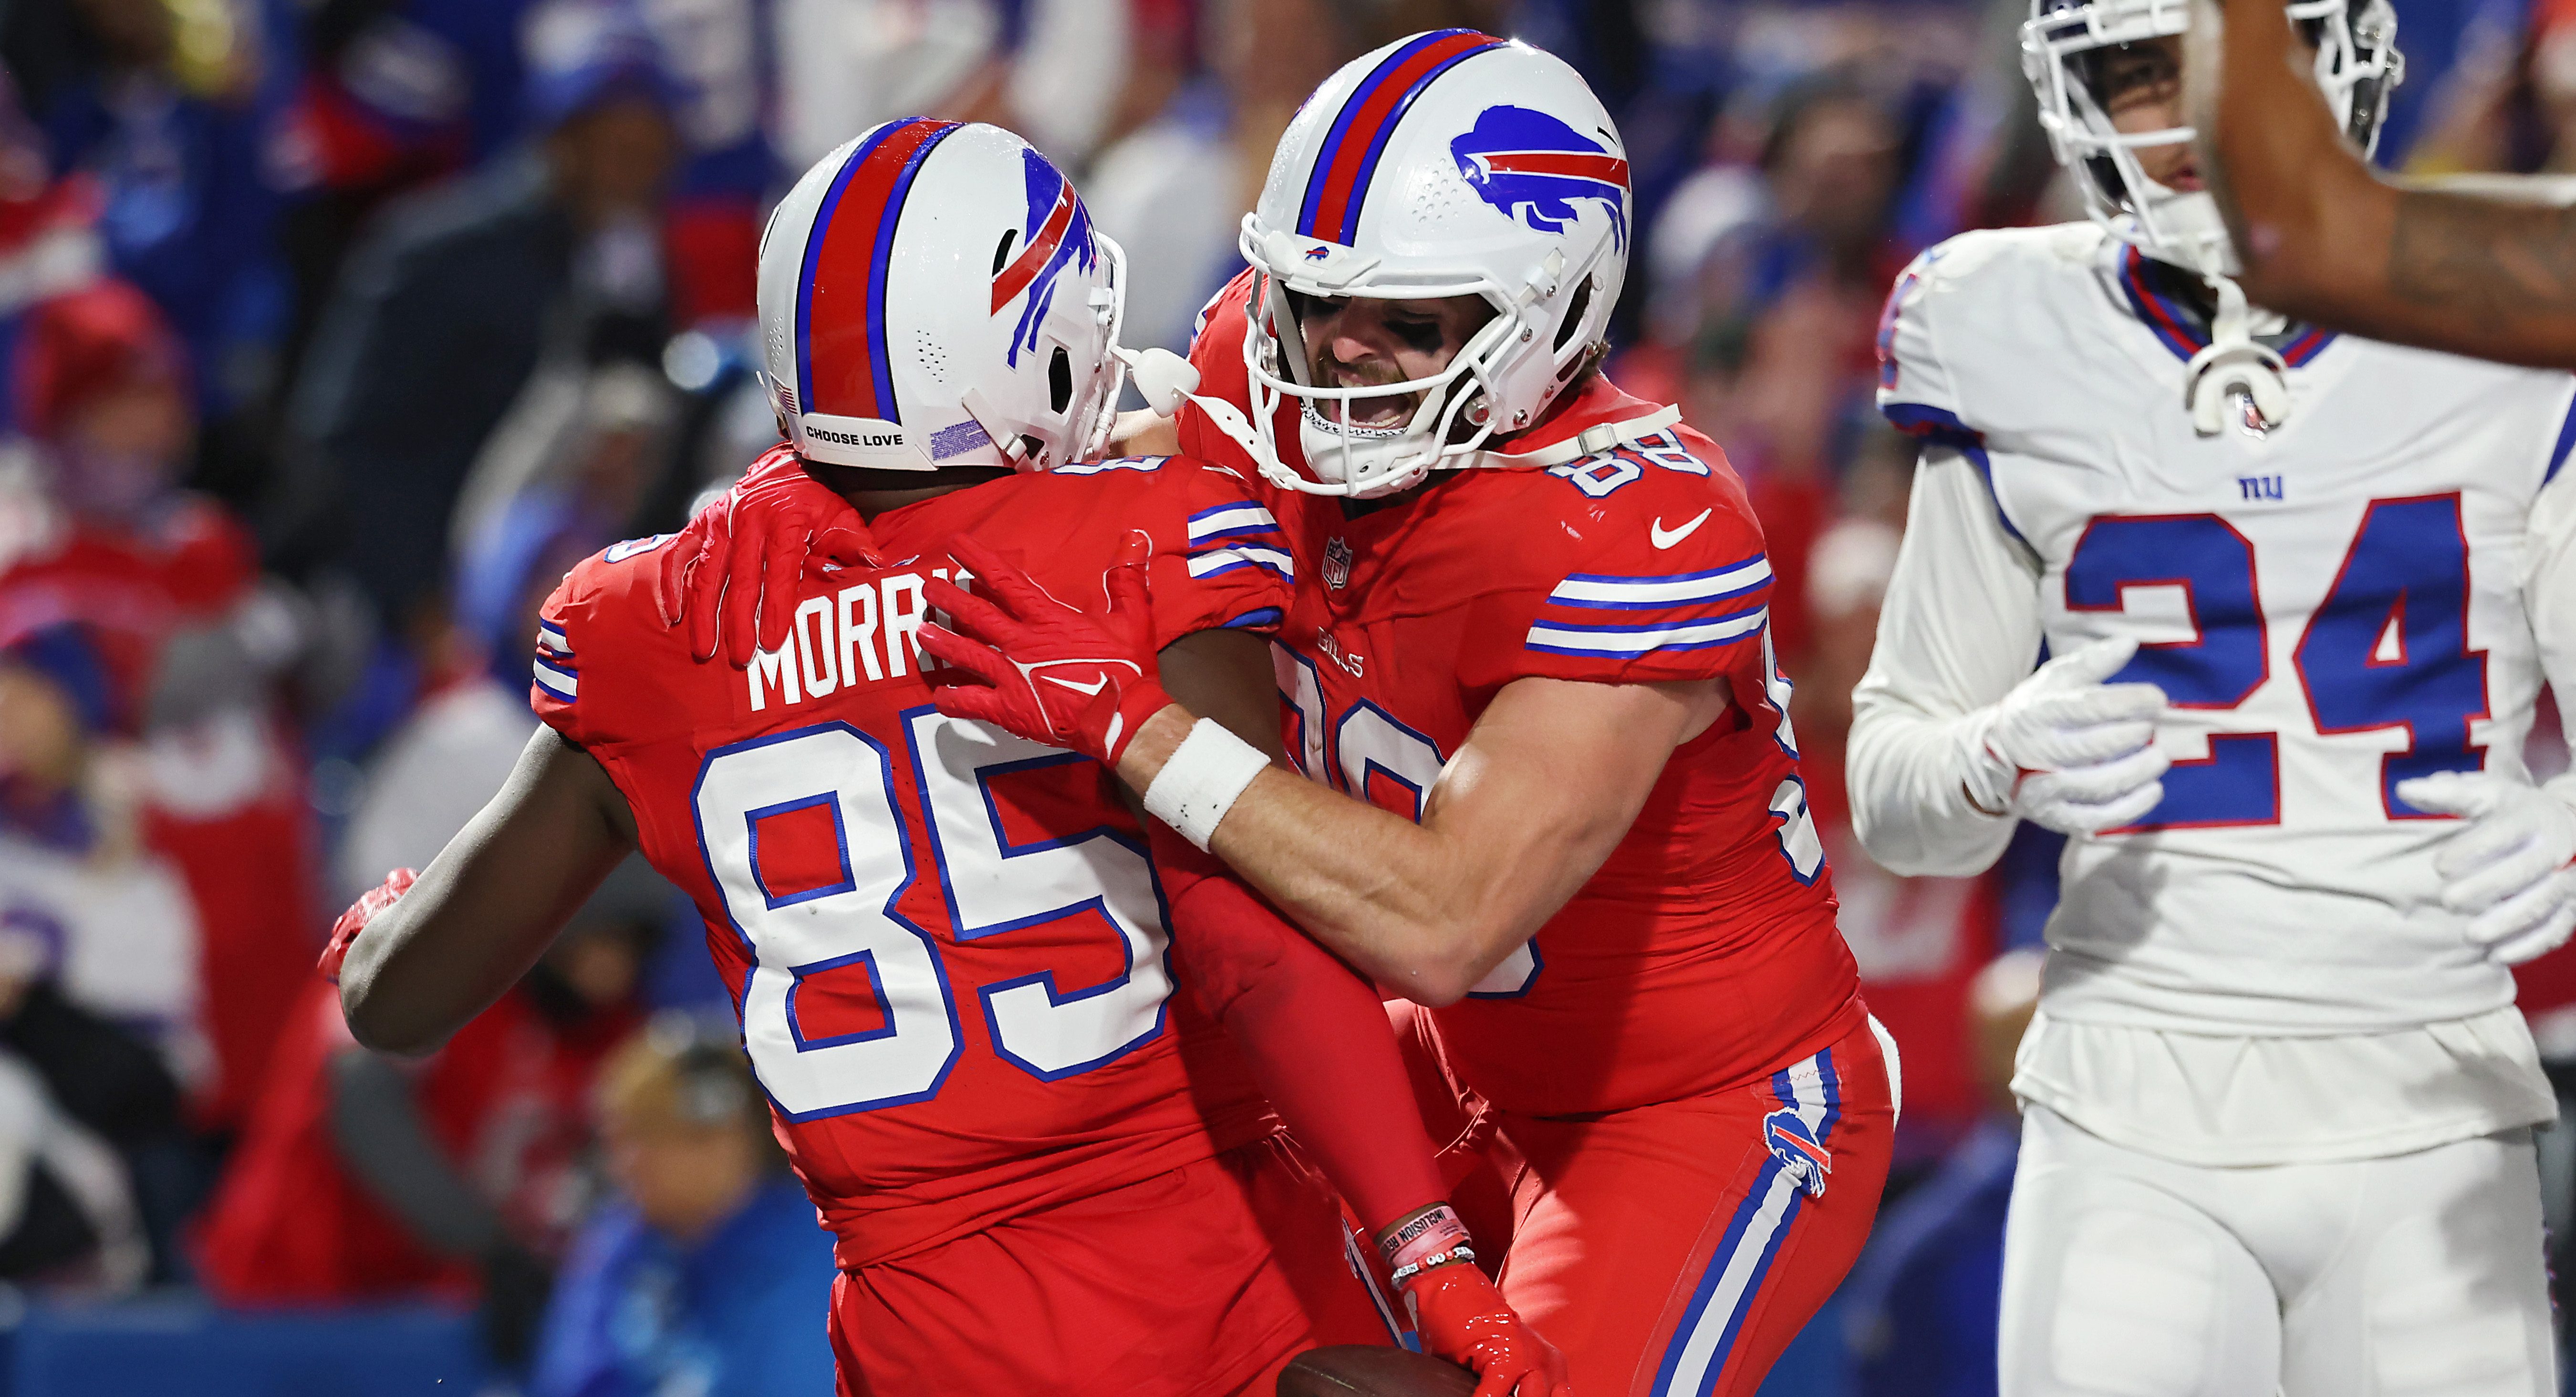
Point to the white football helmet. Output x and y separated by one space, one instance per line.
2062 45
934 295
1451 163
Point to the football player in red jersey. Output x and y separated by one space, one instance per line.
1529 646
947 944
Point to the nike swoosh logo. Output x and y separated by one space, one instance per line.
1664 538
1093 688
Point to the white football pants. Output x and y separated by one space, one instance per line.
2126 1275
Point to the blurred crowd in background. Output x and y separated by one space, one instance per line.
333 331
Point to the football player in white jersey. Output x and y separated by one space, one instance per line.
2301 591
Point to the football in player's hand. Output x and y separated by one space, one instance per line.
1368 1370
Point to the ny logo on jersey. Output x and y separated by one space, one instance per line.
1337 564
1534 168
1802 1156
1058 234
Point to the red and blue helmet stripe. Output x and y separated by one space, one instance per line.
1347 161
842 287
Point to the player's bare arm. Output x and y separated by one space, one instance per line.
485 909
1550 779
2324 237
1226 676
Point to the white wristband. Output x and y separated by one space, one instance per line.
1204 777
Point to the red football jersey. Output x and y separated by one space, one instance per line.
1704 951
946 944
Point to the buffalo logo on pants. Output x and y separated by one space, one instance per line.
1802 1156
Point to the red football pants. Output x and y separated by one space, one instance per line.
1201 1282
1672 1250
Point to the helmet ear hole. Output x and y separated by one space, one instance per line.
1059 380
1574 309
1002 250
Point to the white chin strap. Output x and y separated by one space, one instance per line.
2235 367
1166 380
1591 441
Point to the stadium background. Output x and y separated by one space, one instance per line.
332 331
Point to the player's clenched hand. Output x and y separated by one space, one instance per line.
2068 751
1463 1318
754 539
2507 869
345 931
1050 672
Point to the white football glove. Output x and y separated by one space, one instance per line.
2067 751
2507 868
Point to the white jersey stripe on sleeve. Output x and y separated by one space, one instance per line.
1242 555
557 680
1631 642
1230 521
1717 584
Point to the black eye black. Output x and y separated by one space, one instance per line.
1419 334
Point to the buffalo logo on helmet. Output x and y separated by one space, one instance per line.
1534 168
1802 1156
1058 235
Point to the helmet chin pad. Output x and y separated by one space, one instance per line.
1345 453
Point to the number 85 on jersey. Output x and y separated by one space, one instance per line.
845 913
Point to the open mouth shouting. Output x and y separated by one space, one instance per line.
1380 412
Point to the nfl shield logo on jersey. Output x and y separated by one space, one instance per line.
1802 1156
1337 564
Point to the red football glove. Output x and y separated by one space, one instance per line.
1051 673
757 537
353 921
1463 1318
